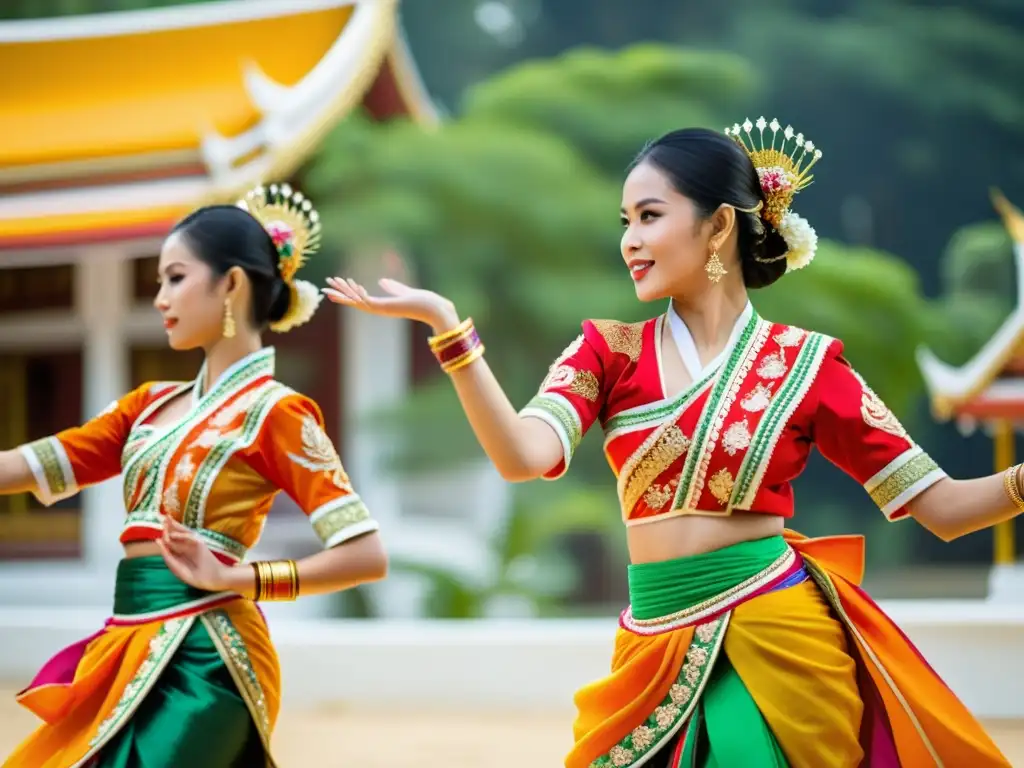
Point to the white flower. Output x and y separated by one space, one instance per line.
801 240
305 299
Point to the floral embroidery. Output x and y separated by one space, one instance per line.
161 650
320 454
568 352
736 437
657 496
758 398
721 484
677 706
584 384
773 366
558 377
622 338
876 414
790 337
236 656
659 456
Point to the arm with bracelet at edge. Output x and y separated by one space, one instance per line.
521 448
954 508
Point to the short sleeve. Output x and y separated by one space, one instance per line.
858 433
75 458
571 395
299 458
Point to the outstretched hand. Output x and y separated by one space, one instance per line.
401 300
188 557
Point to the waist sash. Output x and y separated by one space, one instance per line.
687 591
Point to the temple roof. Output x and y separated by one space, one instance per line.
991 384
116 124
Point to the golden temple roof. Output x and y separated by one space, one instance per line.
124 121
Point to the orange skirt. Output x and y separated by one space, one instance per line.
835 682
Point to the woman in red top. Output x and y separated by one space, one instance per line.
744 643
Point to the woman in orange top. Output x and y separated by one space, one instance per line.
184 672
744 644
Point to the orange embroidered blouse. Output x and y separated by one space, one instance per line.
218 469
739 435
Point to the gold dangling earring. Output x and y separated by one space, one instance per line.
229 320
714 267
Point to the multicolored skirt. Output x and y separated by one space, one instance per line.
176 677
768 653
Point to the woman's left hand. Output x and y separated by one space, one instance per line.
188 558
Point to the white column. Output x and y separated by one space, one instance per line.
103 299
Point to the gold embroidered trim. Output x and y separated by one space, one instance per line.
319 454
338 515
48 456
677 706
161 650
903 479
622 338
671 444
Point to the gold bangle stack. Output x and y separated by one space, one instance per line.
457 348
276 580
1011 483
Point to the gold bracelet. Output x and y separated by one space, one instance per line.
276 580
1012 486
258 590
439 340
461 362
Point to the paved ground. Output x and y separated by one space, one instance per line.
331 738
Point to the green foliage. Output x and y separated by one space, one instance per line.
610 104
41 9
980 279
871 301
530 570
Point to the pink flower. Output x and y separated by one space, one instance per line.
774 180
280 233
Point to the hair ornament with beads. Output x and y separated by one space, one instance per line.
294 227
783 169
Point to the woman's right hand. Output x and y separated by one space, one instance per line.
402 301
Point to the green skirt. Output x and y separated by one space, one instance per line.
193 717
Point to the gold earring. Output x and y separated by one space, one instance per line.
229 320
714 267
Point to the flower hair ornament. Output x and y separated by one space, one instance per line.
294 226
783 172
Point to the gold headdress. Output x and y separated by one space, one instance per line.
783 172
294 226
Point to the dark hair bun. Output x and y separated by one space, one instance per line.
280 301
766 262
